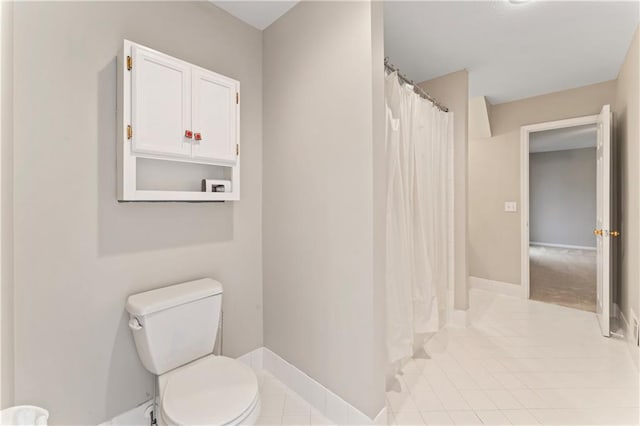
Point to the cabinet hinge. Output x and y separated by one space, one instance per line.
237 149
129 63
129 131
237 98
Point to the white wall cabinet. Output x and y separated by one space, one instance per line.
170 110
160 104
214 118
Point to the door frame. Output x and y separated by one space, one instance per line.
525 131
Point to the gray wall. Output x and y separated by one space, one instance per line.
379 153
494 175
562 197
6 259
79 253
627 134
322 240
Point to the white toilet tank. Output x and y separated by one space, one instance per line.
175 325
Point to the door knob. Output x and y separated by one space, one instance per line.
188 134
597 232
197 136
614 233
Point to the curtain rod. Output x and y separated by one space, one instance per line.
418 90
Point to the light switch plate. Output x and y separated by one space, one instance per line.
510 206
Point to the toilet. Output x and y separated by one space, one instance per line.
175 329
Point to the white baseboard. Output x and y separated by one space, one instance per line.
634 350
499 287
322 399
382 419
253 359
567 246
135 416
458 318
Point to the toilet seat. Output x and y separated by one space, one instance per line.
214 390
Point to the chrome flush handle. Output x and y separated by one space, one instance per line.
134 324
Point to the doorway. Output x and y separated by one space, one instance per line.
566 206
562 216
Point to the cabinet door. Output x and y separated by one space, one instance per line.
160 104
215 116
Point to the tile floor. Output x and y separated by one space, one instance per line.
521 362
282 406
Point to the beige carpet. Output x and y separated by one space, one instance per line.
562 276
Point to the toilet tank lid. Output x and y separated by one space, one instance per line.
167 297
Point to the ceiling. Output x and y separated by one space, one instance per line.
562 139
259 14
512 51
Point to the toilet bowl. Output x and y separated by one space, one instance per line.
174 329
214 390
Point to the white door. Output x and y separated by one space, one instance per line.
603 221
215 116
160 104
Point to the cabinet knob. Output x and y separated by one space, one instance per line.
197 136
188 134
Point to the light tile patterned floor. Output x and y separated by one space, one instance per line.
282 406
521 362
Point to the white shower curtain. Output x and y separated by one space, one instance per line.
418 139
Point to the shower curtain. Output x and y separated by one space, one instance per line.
419 137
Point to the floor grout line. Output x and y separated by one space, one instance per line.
526 354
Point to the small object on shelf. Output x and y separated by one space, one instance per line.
216 185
